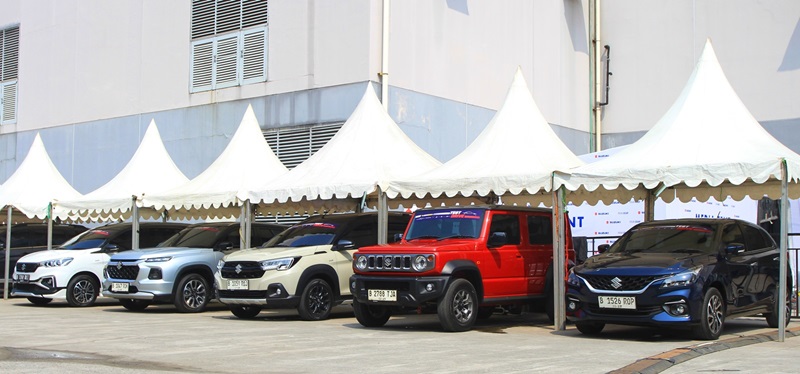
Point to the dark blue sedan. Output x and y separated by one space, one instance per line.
681 273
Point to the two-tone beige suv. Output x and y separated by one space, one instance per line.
305 267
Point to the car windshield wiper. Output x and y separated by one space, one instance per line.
456 237
425 237
686 250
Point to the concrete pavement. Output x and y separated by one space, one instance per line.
108 337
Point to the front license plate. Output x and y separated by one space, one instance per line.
238 284
617 302
382 295
120 287
23 278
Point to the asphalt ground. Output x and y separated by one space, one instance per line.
106 337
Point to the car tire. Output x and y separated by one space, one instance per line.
371 315
192 294
134 305
590 327
316 301
39 300
246 311
772 317
712 316
82 290
458 308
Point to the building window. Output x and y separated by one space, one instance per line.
9 58
295 145
229 43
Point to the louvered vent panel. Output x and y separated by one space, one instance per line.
10 54
9 103
295 145
254 64
202 64
203 18
254 12
226 61
228 16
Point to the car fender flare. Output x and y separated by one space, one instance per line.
318 271
465 269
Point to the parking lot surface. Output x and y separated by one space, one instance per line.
107 337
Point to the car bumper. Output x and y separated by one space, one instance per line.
39 285
652 308
411 291
275 296
156 290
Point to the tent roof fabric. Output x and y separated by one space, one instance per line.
707 138
368 151
515 154
149 170
35 183
246 163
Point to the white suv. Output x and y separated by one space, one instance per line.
305 267
74 270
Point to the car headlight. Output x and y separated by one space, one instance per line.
573 279
682 279
57 262
423 262
220 265
361 262
159 259
277 264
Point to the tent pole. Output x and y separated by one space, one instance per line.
8 254
383 217
649 206
245 227
134 223
50 226
559 253
784 216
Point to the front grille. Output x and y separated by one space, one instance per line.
33 288
241 294
27 267
626 283
638 312
389 262
129 272
242 270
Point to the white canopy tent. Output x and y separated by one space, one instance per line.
513 157
150 170
30 190
245 164
706 145
368 151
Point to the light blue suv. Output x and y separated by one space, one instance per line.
180 270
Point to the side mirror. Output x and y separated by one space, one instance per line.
497 239
734 248
112 248
223 246
396 238
602 248
344 244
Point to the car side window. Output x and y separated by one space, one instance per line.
260 236
123 241
539 230
754 239
362 235
506 223
732 234
150 237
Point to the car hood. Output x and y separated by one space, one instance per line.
642 263
423 246
157 252
261 254
54 254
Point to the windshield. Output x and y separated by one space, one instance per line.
89 239
667 239
304 235
446 223
194 237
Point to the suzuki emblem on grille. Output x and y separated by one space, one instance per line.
387 261
22 267
616 283
119 265
238 268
